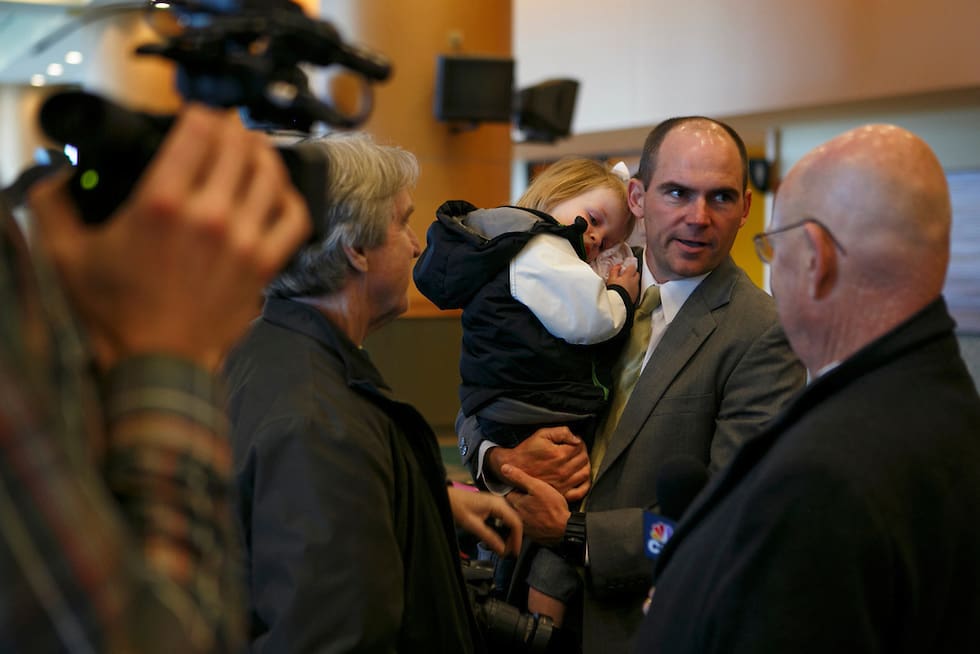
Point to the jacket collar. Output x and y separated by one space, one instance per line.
305 319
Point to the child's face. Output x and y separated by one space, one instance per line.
603 210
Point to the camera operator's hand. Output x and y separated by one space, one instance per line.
471 510
542 509
179 267
552 454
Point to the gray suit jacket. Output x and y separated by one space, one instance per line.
722 370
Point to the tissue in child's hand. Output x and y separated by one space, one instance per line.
617 254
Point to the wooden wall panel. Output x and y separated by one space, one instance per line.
472 165
419 355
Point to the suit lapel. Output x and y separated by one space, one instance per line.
692 325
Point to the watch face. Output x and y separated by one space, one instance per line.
573 540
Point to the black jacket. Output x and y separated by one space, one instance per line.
852 524
506 351
348 533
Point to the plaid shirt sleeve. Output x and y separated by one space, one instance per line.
168 464
136 557
123 547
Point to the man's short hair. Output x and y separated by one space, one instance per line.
362 181
655 139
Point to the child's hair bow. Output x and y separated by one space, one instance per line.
621 171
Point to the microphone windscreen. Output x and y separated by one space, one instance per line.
679 481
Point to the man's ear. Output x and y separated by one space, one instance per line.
635 193
748 205
357 258
823 266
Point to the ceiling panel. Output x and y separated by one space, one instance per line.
59 26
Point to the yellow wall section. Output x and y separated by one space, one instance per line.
743 252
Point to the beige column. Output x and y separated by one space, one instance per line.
419 356
19 133
135 81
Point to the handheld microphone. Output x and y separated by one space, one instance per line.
678 483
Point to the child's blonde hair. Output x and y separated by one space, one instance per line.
570 177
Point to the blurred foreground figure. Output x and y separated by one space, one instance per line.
115 524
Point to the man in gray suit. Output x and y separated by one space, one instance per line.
716 368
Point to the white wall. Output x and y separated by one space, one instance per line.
953 133
640 61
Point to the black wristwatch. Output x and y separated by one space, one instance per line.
572 546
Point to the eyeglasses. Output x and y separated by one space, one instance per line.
763 240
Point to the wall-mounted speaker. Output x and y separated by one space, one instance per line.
471 89
760 173
544 111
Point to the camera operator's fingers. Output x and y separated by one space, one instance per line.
184 158
506 525
502 511
226 172
238 192
470 511
286 232
266 181
275 220
233 161
489 537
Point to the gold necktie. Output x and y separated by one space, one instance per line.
626 372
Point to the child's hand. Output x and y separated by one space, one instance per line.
628 277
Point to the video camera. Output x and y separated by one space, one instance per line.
506 628
229 54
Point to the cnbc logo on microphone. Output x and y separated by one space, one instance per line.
660 532
657 530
